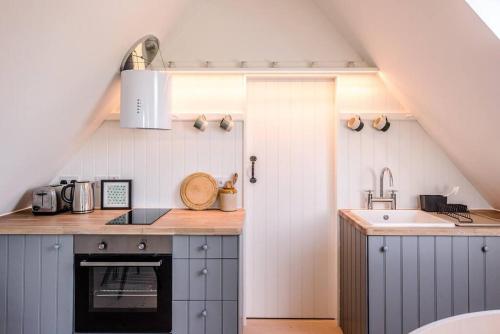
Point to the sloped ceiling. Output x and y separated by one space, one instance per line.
228 31
59 64
58 73
445 64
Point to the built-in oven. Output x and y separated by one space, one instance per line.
123 284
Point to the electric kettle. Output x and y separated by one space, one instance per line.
81 197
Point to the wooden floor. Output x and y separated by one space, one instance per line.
279 326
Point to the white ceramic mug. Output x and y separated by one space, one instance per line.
201 123
355 123
227 123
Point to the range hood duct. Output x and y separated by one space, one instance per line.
145 94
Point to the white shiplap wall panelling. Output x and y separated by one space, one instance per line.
157 161
418 165
289 238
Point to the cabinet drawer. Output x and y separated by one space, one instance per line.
201 247
205 247
196 317
205 279
200 317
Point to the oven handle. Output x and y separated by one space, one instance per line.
119 264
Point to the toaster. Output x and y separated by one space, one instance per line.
48 200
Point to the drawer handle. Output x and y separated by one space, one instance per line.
384 249
204 313
57 246
485 249
204 247
204 271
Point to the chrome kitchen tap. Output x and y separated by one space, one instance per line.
382 199
391 180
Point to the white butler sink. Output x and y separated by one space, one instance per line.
401 218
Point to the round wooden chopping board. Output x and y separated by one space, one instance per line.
199 191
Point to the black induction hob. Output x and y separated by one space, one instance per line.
139 217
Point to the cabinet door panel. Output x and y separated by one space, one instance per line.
198 247
214 279
196 320
376 285
180 247
180 279
180 317
201 247
393 297
65 284
214 250
476 274
32 284
4 247
38 284
410 283
229 279
443 277
49 285
196 279
230 248
229 317
15 292
213 324
460 275
492 273
427 282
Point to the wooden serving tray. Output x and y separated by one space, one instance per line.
199 191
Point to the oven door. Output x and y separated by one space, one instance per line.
123 293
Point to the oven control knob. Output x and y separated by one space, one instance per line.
102 246
141 246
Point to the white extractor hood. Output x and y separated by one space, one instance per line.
145 100
145 93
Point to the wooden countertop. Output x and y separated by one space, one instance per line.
177 221
368 229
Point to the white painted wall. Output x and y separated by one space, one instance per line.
290 233
157 160
365 94
257 31
444 61
59 66
418 164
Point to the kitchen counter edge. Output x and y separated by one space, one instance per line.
367 229
176 222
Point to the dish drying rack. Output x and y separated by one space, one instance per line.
459 212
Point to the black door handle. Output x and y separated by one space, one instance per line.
253 158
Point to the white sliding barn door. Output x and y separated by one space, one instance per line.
289 239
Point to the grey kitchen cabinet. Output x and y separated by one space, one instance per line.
205 285
36 284
395 284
